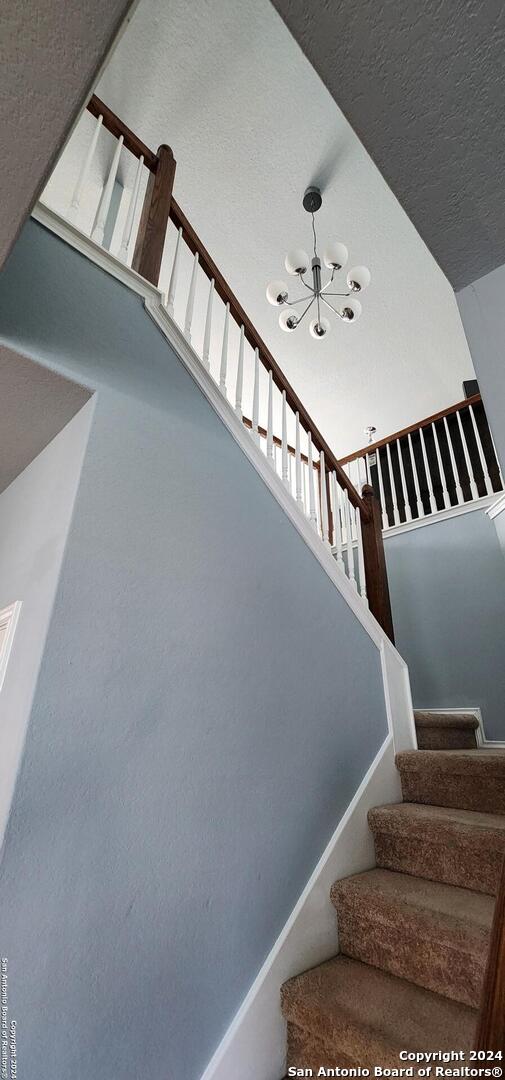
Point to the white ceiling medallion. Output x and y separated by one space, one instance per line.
297 263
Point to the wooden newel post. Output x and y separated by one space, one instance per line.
375 563
154 219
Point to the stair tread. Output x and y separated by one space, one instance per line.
364 1012
445 720
481 762
416 816
448 905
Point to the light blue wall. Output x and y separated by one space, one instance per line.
482 309
206 708
447 583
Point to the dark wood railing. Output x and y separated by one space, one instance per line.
442 461
159 207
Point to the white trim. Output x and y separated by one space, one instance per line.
480 735
441 515
254 1045
9 618
95 253
497 507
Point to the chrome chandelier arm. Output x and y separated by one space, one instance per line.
309 305
300 300
329 282
307 286
337 293
335 312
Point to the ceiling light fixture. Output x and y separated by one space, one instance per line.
297 263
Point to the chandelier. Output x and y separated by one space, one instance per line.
297 263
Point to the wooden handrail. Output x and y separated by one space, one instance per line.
474 400
116 127
236 310
147 262
491 1029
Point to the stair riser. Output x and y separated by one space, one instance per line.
445 739
471 866
466 792
305 1051
409 949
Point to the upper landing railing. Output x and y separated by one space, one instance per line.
444 461
150 232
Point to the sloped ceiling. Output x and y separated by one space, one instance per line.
423 85
35 404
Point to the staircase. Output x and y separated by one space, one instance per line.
414 931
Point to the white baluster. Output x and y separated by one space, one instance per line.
270 426
473 486
385 520
351 573
285 471
408 512
420 507
396 515
98 230
482 456
174 276
224 352
325 529
429 483
132 206
240 376
208 326
459 492
337 521
298 463
362 475
290 473
256 397
304 478
361 557
443 478
312 497
191 298
83 175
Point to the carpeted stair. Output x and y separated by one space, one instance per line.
414 932
446 731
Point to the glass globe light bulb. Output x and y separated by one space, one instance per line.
319 327
277 293
350 310
335 255
358 278
288 321
297 261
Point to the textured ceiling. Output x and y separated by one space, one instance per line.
423 86
35 404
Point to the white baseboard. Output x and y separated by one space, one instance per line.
474 710
254 1047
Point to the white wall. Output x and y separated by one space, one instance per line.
482 309
35 511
